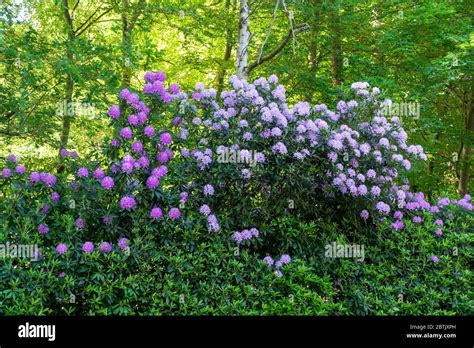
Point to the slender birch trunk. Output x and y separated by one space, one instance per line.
243 40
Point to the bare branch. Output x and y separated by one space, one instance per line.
297 29
78 32
75 6
109 20
269 30
290 17
86 21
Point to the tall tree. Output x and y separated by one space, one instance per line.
230 9
130 14
243 43
70 42
336 44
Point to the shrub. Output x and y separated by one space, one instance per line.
156 215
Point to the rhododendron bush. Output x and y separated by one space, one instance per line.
231 170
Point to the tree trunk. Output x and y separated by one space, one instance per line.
336 48
313 61
466 151
126 46
227 53
67 117
243 41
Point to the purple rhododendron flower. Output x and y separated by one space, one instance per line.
156 213
126 133
398 215
12 158
43 229
237 237
152 182
150 77
79 223
105 247
63 153
61 248
205 210
127 202
174 88
383 207
115 142
143 162
165 138
20 169
142 117
208 190
174 213
35 177
6 172
183 197
88 247
133 120
107 183
163 157
268 260
160 171
82 172
149 131
255 233
137 146
212 223
160 76
124 93
285 259
49 179
114 112
98 174
398 225
55 196
123 243
127 167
